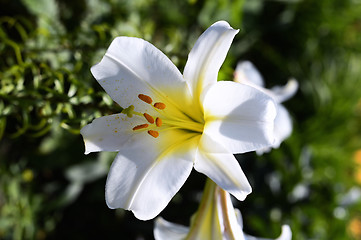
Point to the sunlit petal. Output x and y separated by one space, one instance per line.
286 234
164 230
109 133
283 125
282 129
239 217
222 168
145 177
207 56
239 116
283 93
247 73
132 66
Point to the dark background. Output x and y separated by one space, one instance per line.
50 190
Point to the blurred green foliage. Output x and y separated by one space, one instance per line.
50 190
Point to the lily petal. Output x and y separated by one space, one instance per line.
109 133
246 72
144 178
246 124
286 234
283 93
283 125
239 217
282 129
165 230
222 168
207 56
132 66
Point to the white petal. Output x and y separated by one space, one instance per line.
239 217
207 56
132 66
283 93
286 234
222 168
165 230
144 177
283 126
109 133
239 116
282 129
247 73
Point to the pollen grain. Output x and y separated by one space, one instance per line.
145 98
158 122
153 133
159 105
149 118
140 127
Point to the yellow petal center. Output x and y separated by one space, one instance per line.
162 116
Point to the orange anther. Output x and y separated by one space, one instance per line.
145 98
158 122
153 133
149 118
159 105
140 127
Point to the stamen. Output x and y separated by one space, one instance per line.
153 133
159 105
140 127
149 118
158 122
145 98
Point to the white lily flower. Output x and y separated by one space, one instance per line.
171 122
216 219
246 73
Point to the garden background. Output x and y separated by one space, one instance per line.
50 190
